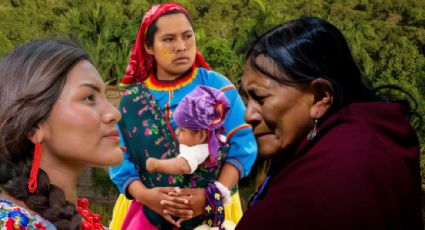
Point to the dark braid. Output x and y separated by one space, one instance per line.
31 79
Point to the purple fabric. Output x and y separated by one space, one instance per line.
204 108
214 210
360 172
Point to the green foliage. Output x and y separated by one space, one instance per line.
5 44
104 210
102 183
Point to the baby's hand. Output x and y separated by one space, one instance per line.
151 164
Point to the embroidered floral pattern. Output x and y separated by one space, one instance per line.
14 217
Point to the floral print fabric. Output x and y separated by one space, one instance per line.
14 217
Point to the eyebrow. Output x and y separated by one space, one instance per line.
241 91
90 85
173 34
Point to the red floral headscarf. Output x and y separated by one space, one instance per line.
141 63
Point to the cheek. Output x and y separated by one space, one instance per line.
79 123
164 54
191 47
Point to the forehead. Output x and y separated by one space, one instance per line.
173 24
275 74
81 73
187 130
253 77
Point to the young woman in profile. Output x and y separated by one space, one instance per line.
55 122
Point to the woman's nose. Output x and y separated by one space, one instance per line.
180 45
252 113
112 114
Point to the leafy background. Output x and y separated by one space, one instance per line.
387 37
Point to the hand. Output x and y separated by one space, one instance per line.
151 164
181 200
151 198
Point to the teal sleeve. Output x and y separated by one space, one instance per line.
125 173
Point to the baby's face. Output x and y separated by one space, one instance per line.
189 137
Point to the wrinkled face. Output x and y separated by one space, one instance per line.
189 137
279 114
174 45
80 130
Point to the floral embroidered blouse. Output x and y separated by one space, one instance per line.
14 217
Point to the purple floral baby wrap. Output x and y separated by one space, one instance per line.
204 108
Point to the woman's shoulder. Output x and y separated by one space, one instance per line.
13 216
213 78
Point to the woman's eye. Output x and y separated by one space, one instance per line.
258 98
188 36
168 39
90 98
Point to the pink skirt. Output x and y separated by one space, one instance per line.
136 219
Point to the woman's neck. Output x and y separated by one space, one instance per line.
167 76
65 177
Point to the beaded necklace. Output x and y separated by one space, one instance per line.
91 221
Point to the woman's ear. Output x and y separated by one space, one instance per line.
323 93
36 135
148 49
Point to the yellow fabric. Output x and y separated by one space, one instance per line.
120 210
233 211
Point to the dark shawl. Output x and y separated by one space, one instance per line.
360 172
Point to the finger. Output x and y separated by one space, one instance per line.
177 212
177 199
171 220
185 191
180 221
166 203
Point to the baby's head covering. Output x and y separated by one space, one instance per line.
204 108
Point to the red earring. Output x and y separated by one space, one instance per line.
32 182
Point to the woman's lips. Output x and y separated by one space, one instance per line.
113 134
181 60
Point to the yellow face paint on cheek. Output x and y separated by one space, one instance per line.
192 48
165 54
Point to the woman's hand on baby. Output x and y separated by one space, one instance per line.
152 199
193 199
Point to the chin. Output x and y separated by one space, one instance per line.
268 151
117 159
111 158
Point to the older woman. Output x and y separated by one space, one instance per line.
342 157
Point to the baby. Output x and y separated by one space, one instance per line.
199 118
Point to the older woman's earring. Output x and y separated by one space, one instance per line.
313 132
32 182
